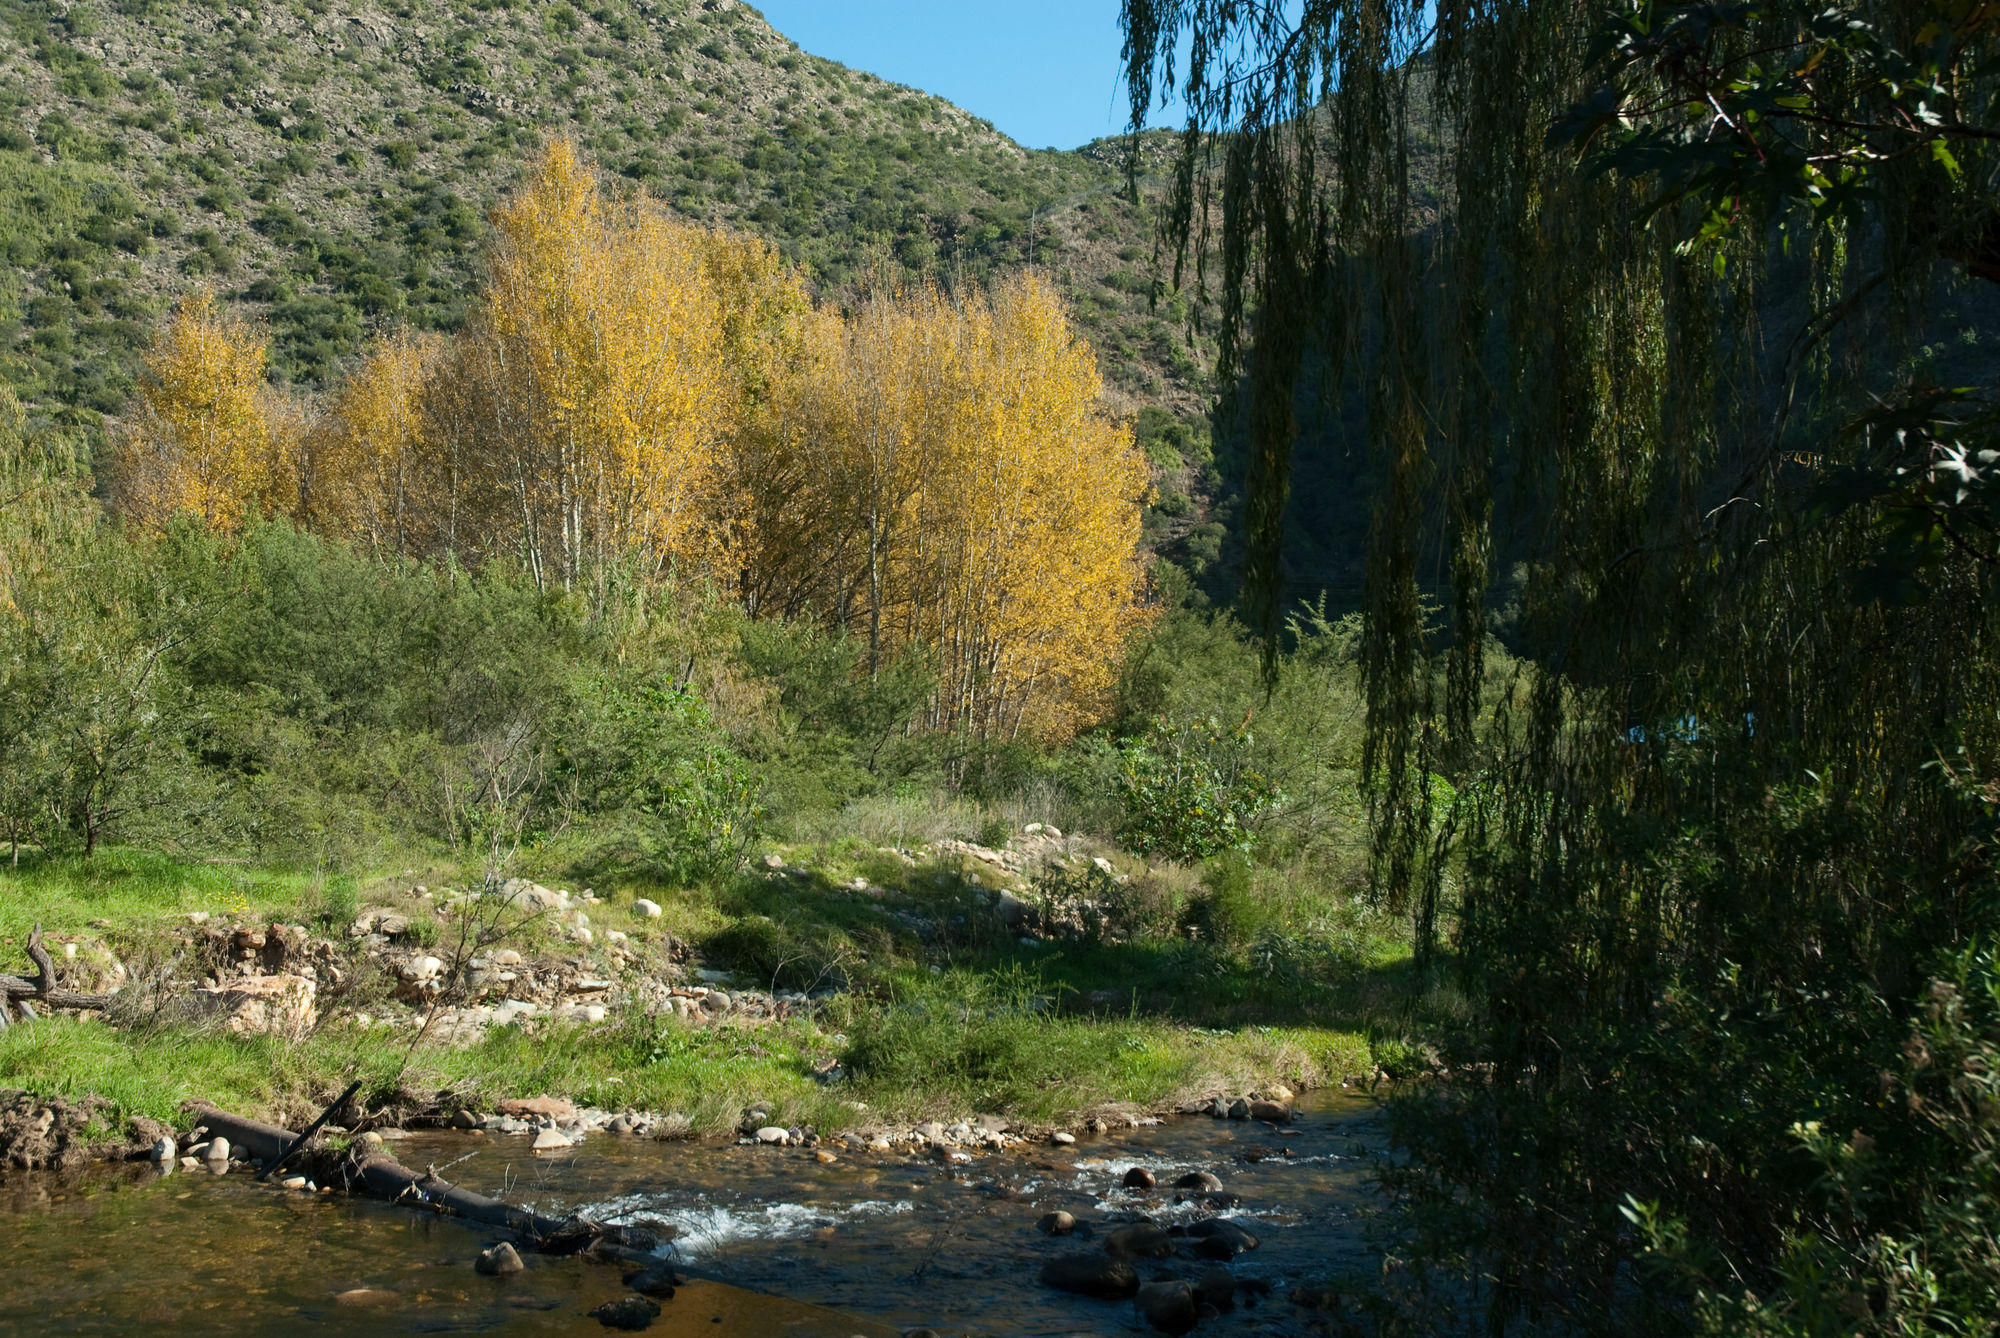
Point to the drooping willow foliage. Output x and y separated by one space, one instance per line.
1670 325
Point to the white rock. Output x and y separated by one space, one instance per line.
594 1012
771 1133
774 861
649 909
218 1149
163 1150
581 934
616 936
1053 833
1063 1139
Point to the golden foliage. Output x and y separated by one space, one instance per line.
369 467
613 355
210 440
937 472
637 395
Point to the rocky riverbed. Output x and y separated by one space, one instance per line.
1203 1224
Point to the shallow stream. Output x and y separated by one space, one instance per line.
872 1244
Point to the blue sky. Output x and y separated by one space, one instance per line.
1044 71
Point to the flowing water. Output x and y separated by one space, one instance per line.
872 1244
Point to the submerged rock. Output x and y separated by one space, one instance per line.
1141 1240
1205 1181
1167 1306
1057 1223
659 1281
1221 1238
627 1312
499 1260
1091 1275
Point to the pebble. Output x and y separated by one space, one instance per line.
499 1260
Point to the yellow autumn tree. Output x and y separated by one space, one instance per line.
210 439
371 467
611 362
939 472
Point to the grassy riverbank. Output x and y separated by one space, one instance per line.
928 1004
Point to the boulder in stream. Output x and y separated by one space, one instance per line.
1140 1240
1220 1238
1139 1178
1205 1181
659 1281
1057 1223
1091 1275
499 1260
1167 1306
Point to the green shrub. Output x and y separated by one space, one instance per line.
1189 792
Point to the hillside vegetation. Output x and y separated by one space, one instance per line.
328 170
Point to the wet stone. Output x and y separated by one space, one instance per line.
499 1260
1141 1240
1167 1306
1205 1181
1139 1178
627 1312
1091 1275
658 1281
1056 1224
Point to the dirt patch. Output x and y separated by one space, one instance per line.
40 1134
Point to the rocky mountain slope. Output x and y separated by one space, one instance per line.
327 166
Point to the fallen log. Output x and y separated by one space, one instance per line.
380 1174
42 989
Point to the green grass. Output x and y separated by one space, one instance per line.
954 1018
133 888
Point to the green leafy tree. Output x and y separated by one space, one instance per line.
1189 791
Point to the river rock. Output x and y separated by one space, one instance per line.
1216 1287
552 1107
218 1149
1057 1223
1061 1139
1239 1109
1140 1178
931 1132
1272 1112
824 1158
1167 1306
624 1124
368 1297
1140 1240
627 1312
1091 1275
1205 1181
499 1260
550 1140
772 1134
164 1150
659 1281
295 1182
465 1119
715 1001
1221 1238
